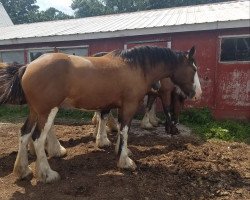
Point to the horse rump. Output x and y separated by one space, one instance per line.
11 91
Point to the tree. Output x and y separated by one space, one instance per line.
155 4
51 14
21 10
86 8
25 11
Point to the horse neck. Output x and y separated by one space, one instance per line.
157 73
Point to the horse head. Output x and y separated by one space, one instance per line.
185 75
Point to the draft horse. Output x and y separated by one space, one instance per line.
119 79
172 99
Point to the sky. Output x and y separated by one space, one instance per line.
62 5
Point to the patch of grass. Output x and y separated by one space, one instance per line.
203 124
199 120
12 113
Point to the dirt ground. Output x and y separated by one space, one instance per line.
180 167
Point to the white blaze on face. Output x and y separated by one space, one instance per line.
197 85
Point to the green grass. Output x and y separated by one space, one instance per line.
9 113
199 120
13 113
203 124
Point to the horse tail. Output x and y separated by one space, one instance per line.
10 85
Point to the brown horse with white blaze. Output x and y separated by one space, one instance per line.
119 79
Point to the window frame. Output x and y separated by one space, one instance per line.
231 37
14 50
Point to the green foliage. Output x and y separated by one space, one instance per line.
13 113
25 11
202 123
51 14
20 11
86 8
199 120
10 113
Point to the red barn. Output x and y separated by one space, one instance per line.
220 32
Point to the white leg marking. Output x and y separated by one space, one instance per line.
21 167
152 116
44 172
118 139
101 137
118 142
145 123
124 161
97 118
111 123
31 147
53 146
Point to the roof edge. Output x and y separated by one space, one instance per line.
134 32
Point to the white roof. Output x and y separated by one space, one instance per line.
233 14
4 17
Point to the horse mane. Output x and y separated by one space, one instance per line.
147 57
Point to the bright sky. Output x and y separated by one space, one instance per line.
62 5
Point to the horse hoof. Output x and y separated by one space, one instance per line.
147 126
174 131
103 143
129 152
57 153
23 173
111 129
126 163
49 176
154 122
63 151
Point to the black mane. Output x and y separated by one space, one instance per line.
148 57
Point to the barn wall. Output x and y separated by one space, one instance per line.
226 87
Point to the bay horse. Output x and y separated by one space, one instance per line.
119 79
172 99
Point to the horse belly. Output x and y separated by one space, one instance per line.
96 99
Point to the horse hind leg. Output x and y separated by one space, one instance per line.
153 119
53 146
21 168
44 123
148 122
101 137
111 123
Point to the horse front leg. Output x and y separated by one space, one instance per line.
52 145
102 137
170 128
148 122
124 119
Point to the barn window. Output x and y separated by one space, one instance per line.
78 51
235 49
35 53
12 56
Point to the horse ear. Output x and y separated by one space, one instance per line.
191 52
